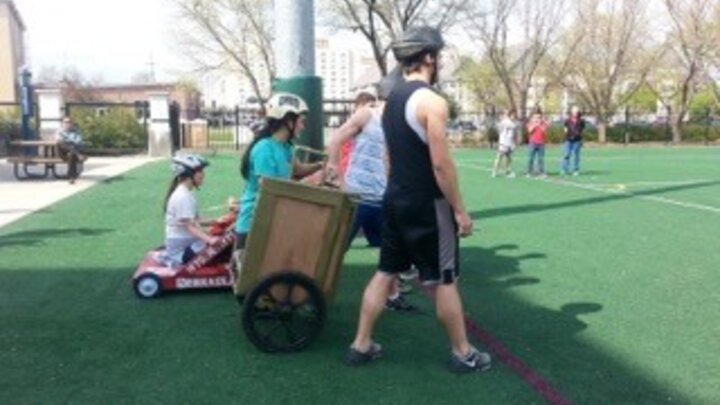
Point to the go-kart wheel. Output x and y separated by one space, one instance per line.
148 286
283 313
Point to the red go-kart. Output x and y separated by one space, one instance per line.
210 268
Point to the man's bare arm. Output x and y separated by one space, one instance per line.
434 112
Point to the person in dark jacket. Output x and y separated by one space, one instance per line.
574 127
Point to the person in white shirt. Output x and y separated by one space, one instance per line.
509 133
184 235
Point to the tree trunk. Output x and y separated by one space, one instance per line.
602 132
676 129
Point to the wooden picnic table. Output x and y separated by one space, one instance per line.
47 155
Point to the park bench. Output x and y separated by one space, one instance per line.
46 156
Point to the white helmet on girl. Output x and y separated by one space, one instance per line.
187 165
281 104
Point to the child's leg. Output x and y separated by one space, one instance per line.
541 158
531 164
566 157
578 146
498 155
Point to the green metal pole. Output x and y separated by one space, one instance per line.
295 55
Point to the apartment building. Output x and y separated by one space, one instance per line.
12 51
335 63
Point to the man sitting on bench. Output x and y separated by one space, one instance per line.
69 143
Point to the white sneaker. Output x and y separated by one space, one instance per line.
511 175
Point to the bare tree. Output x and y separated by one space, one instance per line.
381 21
712 70
609 58
517 36
480 79
690 45
76 86
229 36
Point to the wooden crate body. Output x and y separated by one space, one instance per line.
297 228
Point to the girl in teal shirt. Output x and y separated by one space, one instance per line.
270 155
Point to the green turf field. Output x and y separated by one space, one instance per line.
606 285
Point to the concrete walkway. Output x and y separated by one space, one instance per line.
20 198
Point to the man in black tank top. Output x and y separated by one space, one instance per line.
423 211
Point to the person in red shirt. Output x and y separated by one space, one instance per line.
537 129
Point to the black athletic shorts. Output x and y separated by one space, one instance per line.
420 233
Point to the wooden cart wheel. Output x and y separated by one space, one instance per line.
283 313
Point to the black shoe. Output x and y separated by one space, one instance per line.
354 357
474 361
399 304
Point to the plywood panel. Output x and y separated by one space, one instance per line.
296 238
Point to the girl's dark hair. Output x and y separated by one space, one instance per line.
173 185
271 126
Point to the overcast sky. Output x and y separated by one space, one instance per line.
109 39
112 39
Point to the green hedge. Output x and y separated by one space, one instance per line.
9 128
116 129
691 132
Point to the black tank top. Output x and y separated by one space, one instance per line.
411 172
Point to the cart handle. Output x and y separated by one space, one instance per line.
309 152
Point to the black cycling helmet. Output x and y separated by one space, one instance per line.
416 41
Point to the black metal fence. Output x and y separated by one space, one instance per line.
232 128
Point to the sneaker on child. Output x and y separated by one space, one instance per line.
399 304
355 357
475 360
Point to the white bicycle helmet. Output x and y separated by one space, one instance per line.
281 104
187 165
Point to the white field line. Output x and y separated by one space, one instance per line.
653 183
619 190
611 158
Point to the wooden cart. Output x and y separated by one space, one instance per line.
292 263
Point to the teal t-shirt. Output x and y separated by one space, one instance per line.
268 158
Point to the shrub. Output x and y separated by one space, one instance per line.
116 129
9 128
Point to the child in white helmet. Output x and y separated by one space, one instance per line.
184 235
270 155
